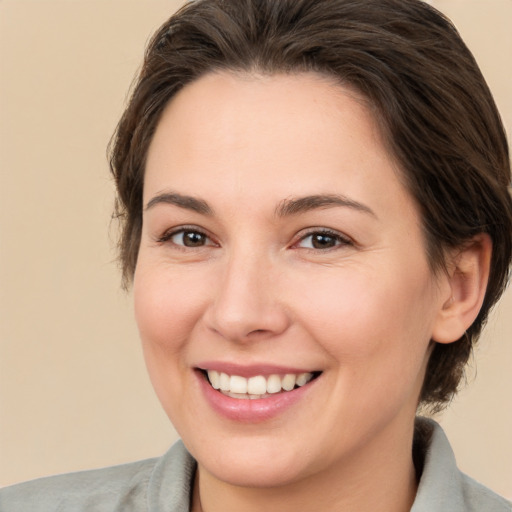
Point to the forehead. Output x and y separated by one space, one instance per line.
282 135
252 107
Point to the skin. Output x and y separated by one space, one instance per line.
255 289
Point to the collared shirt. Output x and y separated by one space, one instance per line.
165 484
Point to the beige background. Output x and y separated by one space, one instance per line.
73 389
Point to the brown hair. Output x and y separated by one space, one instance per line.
435 110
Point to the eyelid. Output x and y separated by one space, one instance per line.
343 239
168 234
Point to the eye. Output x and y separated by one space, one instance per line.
190 238
322 240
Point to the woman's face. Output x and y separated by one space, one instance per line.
278 241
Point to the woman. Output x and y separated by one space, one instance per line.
316 223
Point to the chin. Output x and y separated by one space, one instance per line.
255 464
253 475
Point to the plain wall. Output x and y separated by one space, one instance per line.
73 388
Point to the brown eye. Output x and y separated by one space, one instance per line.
189 238
322 240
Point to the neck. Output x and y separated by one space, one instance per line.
381 477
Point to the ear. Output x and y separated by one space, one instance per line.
467 277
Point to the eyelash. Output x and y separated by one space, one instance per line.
167 236
338 238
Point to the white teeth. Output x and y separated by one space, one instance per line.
288 382
238 384
257 386
274 384
303 378
214 379
224 382
243 396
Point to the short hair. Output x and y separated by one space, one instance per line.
434 109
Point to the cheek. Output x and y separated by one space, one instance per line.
376 332
368 319
167 306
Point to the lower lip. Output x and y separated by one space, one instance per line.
251 411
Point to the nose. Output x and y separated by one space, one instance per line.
247 303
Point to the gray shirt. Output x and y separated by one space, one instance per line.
164 484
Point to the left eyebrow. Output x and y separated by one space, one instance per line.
183 201
295 206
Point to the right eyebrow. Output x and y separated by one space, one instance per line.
294 206
183 201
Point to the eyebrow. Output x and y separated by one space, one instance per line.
285 208
304 204
183 201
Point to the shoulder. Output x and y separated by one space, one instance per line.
98 490
442 485
126 487
478 497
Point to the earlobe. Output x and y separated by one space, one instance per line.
468 274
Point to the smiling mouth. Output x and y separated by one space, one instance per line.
259 386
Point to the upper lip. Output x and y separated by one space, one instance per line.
251 370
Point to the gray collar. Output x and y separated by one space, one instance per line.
442 488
